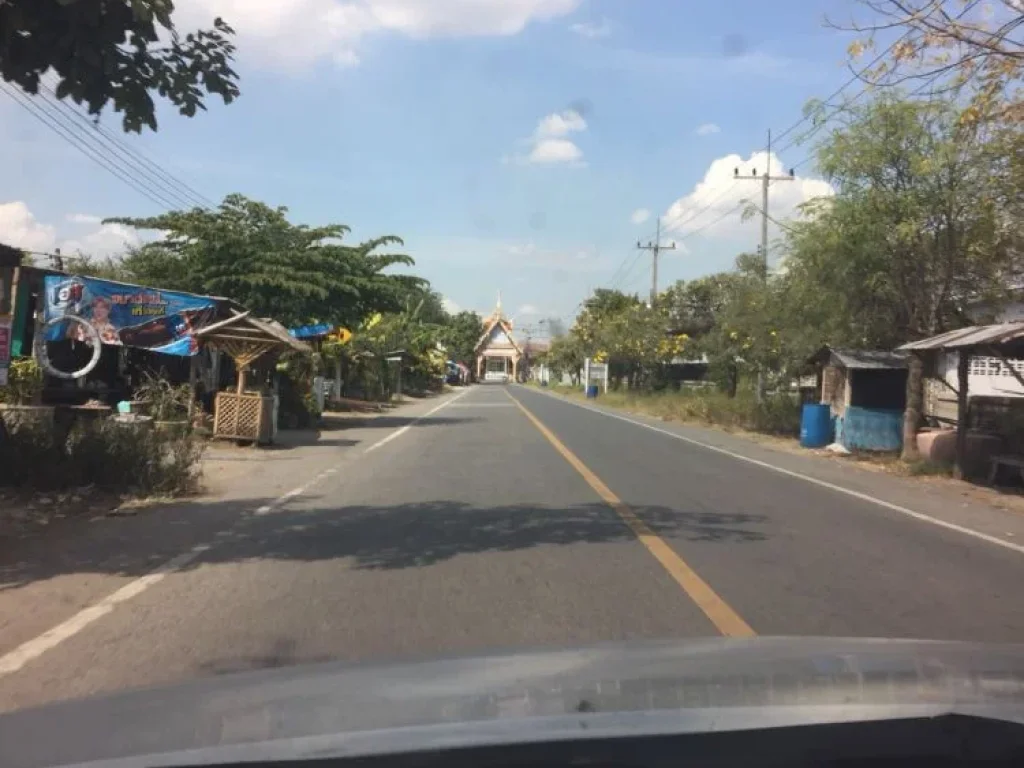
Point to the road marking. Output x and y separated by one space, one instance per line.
14 660
32 649
920 516
484 404
725 619
411 424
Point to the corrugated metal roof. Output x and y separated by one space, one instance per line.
972 336
861 359
870 359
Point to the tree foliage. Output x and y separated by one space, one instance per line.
461 334
950 45
915 233
923 229
247 251
117 53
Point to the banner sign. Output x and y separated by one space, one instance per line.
5 350
312 331
127 315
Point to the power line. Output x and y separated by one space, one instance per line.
41 114
625 275
135 169
160 177
655 247
629 255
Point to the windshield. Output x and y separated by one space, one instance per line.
383 331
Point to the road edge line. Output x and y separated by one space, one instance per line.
720 613
919 516
14 660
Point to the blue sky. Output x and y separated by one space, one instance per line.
512 143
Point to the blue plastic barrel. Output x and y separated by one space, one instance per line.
592 391
816 425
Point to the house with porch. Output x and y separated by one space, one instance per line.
497 353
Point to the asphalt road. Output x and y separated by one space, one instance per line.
503 517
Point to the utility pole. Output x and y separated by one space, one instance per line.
766 180
655 248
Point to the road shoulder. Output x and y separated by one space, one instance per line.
49 573
956 504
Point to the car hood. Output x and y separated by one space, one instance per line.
686 685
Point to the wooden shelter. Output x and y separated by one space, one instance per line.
1003 341
242 415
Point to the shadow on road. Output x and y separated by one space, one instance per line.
370 537
390 422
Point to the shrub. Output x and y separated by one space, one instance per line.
164 401
24 382
109 455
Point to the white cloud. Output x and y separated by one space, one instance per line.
83 218
592 30
585 258
555 151
713 206
20 228
516 249
528 309
108 240
561 124
296 33
640 215
450 306
707 129
549 145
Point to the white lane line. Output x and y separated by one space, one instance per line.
14 660
484 405
36 647
411 424
1018 548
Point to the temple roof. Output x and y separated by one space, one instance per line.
496 320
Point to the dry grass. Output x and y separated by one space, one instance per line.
778 415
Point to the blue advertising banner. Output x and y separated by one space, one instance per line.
127 315
312 331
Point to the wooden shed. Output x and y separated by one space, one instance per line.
244 414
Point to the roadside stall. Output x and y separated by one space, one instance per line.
247 413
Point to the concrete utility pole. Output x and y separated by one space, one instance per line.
655 248
766 180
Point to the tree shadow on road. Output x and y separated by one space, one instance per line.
399 536
390 422
421 534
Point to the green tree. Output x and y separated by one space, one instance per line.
597 310
110 52
916 233
461 334
565 356
247 251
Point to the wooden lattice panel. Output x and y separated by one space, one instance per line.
240 417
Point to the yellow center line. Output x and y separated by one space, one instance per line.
725 619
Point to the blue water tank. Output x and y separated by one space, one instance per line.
592 391
816 425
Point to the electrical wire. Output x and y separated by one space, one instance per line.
159 176
41 114
141 173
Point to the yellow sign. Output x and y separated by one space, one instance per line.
344 335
